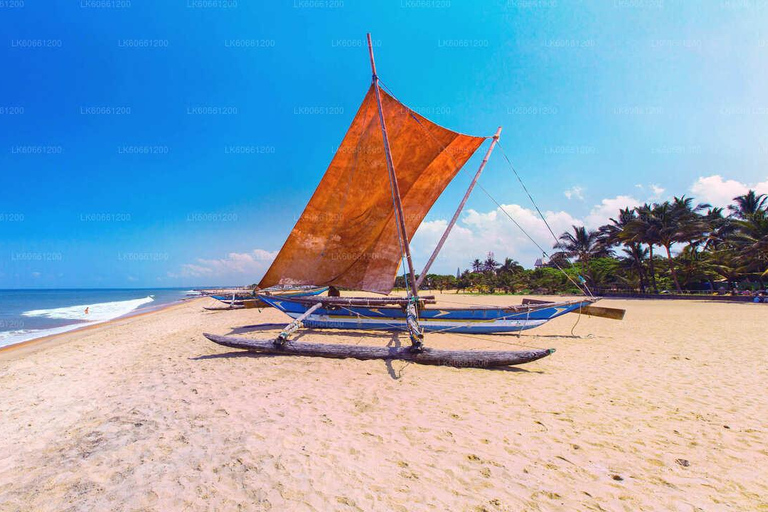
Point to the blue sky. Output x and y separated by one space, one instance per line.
147 144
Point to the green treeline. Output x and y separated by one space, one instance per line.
676 246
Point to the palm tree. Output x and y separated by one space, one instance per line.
696 266
678 221
583 245
508 274
510 266
725 261
719 230
748 204
636 254
751 241
644 229
558 259
691 225
668 234
477 265
490 264
692 228
618 232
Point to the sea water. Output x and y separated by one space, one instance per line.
30 314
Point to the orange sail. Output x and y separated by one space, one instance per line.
347 235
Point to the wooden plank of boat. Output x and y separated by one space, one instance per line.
360 301
603 312
254 304
229 308
456 358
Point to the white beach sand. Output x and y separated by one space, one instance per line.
667 410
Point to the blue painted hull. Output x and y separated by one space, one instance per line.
480 320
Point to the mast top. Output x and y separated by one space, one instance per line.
370 53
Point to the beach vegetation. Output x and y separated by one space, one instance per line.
677 246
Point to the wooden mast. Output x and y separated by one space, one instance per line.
393 179
455 218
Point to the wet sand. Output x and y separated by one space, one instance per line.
665 410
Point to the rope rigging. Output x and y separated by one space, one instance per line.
527 193
581 287
544 219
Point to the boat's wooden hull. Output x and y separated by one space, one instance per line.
241 303
251 302
485 320
456 358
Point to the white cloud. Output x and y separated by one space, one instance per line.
576 192
656 191
720 192
477 233
607 209
236 265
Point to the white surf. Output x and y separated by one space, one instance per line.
97 313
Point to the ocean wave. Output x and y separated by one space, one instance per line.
99 312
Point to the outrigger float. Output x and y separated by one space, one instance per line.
355 232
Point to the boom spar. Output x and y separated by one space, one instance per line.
463 202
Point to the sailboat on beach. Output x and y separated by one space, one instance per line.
355 233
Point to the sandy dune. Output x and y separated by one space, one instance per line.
667 410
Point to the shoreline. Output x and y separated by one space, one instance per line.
29 346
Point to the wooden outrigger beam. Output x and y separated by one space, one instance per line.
291 327
455 218
393 178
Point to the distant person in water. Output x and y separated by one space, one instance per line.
86 309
